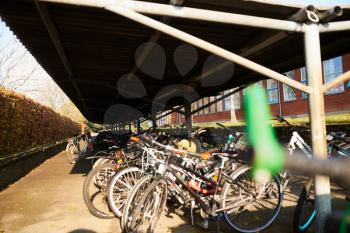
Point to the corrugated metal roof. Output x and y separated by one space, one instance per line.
100 47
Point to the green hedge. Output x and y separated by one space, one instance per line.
26 124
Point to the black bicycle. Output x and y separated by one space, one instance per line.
236 196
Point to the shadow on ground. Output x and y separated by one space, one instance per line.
82 231
82 166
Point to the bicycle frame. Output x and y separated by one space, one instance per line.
210 210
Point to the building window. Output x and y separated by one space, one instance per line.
206 110
332 68
303 75
288 92
212 107
194 106
237 100
227 101
272 91
219 104
199 106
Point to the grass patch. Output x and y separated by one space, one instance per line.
334 119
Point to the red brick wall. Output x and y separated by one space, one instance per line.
216 117
333 103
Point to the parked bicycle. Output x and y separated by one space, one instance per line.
235 195
78 147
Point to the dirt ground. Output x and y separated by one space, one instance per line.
49 200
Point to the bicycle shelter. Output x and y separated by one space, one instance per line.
88 45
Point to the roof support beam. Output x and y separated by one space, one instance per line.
208 47
335 26
218 99
147 49
245 52
335 82
51 28
122 8
189 13
176 109
257 44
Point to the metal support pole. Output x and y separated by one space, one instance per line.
207 46
124 9
218 99
233 110
138 126
335 26
189 13
317 117
335 82
188 117
154 121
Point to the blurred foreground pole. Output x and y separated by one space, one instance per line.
317 117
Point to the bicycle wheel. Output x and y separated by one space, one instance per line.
304 213
72 153
132 202
95 190
146 215
249 206
120 187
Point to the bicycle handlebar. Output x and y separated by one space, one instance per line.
344 139
281 119
221 125
202 155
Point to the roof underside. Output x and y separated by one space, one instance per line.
100 47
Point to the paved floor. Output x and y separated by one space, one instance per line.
49 200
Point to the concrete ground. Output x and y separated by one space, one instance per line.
49 200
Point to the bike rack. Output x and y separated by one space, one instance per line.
308 21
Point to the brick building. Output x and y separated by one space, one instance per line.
283 100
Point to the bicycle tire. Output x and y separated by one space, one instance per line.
121 178
132 202
299 227
245 169
158 207
71 155
100 195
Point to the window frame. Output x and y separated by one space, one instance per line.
225 100
219 103
237 107
270 89
333 90
205 102
291 75
212 106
